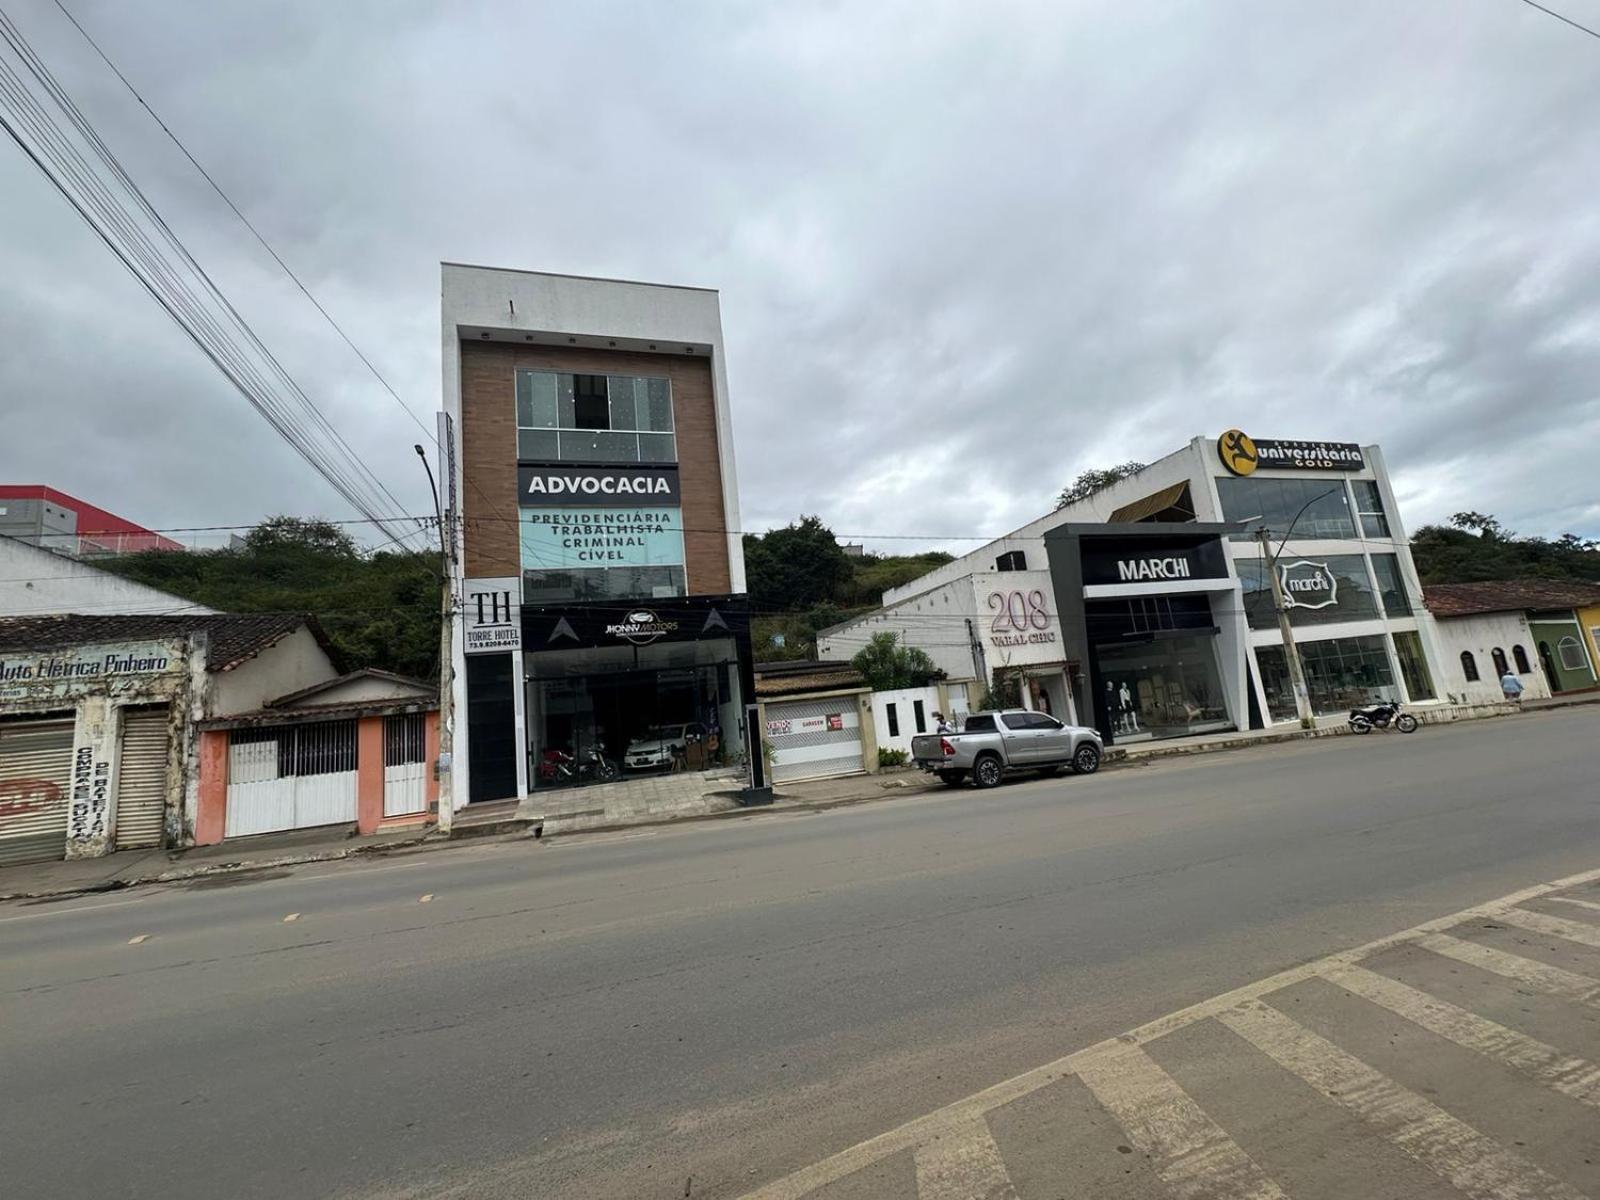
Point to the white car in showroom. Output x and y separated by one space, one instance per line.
657 746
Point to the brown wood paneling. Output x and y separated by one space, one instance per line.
489 451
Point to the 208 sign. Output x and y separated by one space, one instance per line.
1020 618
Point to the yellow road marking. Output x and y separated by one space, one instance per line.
425 898
1556 981
1571 1076
1191 1152
962 1163
136 939
1470 1162
291 917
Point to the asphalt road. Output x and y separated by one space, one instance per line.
703 1009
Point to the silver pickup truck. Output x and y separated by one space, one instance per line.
992 743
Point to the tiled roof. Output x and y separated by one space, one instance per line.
233 637
1507 595
822 677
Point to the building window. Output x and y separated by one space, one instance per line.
1012 560
594 418
1351 596
603 583
1500 664
1341 674
1391 585
1317 508
1469 666
921 719
1369 508
1413 666
894 720
1520 656
1571 652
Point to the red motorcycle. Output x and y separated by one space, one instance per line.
559 767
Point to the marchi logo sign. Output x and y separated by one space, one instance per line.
641 627
1308 585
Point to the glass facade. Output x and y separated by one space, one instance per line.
1351 597
1391 585
1317 508
1155 661
565 417
656 720
1413 666
594 418
1341 674
1369 508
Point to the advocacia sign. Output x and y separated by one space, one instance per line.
541 486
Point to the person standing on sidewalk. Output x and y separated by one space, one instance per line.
1511 686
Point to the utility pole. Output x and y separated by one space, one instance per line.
447 691
1291 652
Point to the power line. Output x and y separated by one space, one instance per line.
47 145
1567 20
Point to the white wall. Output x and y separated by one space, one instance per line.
1174 468
294 662
905 714
935 623
37 582
1480 635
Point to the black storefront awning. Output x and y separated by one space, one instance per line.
636 623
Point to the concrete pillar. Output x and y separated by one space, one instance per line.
211 802
369 774
91 811
431 753
869 733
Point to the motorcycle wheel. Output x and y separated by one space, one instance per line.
1405 723
1360 725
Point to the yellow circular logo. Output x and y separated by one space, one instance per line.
1237 452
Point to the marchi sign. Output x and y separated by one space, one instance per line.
1308 585
1141 570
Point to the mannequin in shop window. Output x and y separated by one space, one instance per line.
1130 714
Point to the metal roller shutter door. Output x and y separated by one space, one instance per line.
35 788
806 744
142 778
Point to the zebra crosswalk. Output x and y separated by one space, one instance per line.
1458 1058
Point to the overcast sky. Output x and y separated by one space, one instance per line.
964 250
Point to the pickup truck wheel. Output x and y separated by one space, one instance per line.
952 778
986 772
1087 760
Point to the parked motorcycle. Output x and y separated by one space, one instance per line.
560 767
1382 716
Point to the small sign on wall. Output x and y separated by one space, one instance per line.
492 609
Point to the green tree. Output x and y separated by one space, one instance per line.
888 666
1476 547
795 567
380 609
1096 479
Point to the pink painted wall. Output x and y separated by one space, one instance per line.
369 774
211 811
432 750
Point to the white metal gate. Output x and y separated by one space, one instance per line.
813 739
291 777
142 778
35 778
405 757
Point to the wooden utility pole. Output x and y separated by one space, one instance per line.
445 817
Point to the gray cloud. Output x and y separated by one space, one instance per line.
964 252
